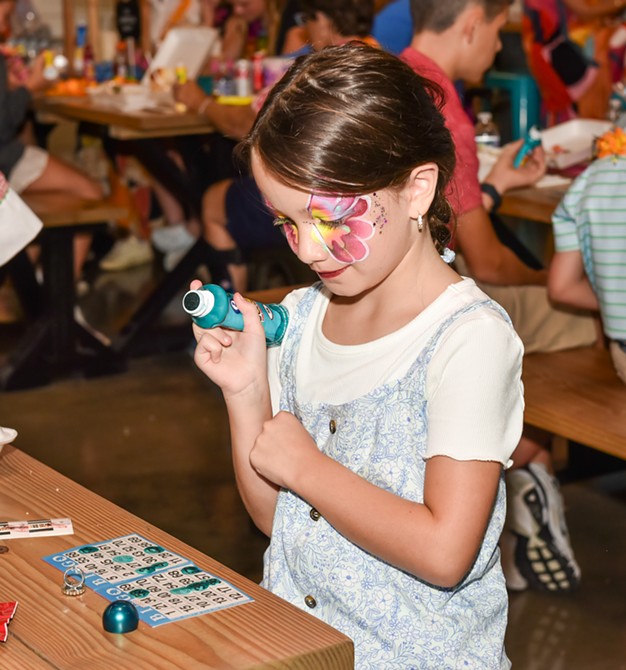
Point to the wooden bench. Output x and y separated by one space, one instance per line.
50 346
577 395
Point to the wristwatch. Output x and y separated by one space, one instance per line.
492 192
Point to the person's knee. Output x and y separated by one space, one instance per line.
214 204
90 189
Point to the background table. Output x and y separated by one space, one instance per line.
51 630
122 125
532 204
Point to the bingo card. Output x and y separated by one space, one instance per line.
163 586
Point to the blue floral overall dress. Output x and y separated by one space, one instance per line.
395 619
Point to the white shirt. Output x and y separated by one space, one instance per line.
464 379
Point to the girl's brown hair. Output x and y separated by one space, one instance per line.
351 120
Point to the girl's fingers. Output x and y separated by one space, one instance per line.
250 312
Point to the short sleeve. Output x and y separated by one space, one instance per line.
474 389
564 219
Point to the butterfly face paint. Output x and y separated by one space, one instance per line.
339 226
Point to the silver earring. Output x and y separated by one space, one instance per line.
420 223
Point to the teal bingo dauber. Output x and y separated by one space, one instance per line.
211 306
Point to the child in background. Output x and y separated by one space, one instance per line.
458 41
370 445
587 270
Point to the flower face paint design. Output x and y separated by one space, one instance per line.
338 226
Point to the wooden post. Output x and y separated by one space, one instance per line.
68 31
93 29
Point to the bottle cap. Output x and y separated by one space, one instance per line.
197 303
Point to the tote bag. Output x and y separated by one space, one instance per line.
18 224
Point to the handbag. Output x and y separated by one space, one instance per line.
18 224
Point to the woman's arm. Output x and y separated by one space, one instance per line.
488 260
234 39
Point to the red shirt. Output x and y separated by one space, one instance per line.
464 191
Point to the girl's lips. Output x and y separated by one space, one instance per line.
331 275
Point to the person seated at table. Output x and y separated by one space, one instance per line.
459 41
587 270
235 219
575 51
31 169
183 168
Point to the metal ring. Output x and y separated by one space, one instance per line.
74 581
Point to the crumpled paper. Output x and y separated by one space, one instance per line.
7 435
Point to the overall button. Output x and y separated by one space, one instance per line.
310 601
314 514
332 426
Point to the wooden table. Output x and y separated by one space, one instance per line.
122 125
533 204
51 630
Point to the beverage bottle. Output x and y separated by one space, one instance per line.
486 131
79 50
212 306
120 65
89 68
243 80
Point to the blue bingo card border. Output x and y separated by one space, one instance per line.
163 586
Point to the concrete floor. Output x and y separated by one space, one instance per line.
155 441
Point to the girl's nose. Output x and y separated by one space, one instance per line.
311 248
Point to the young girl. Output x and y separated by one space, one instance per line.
370 445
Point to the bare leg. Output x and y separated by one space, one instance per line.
215 231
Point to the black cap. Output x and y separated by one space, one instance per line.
191 301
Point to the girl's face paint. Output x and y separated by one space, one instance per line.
340 225
337 225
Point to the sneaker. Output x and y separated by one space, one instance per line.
172 238
127 253
172 258
536 550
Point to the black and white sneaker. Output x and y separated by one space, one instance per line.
536 550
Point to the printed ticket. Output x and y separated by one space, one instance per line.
35 528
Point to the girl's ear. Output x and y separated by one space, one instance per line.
421 188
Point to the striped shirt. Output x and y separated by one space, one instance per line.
591 219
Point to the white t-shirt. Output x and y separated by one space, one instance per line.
473 385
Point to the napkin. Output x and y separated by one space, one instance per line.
7 435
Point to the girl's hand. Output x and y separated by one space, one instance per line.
235 361
283 450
